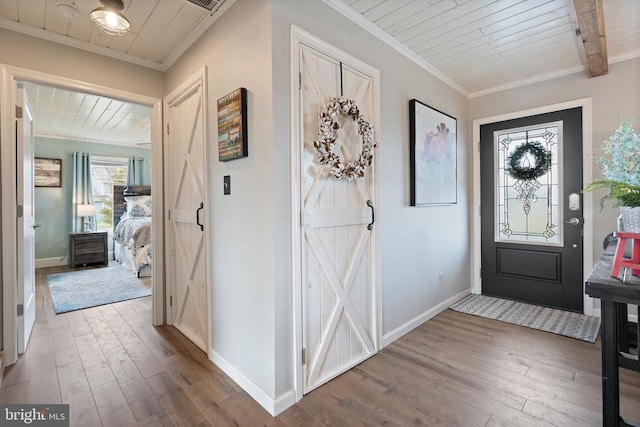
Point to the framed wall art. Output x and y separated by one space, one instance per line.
47 172
232 126
433 151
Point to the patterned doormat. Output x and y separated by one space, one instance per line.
567 323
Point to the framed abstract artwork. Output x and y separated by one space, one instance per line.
232 126
433 152
47 172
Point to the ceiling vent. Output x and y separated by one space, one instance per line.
209 5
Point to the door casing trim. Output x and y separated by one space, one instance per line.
8 75
587 176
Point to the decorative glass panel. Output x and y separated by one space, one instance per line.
528 186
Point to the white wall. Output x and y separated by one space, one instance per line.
35 54
237 52
249 46
615 96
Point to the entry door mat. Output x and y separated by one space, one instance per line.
567 323
80 289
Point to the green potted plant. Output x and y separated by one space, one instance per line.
621 175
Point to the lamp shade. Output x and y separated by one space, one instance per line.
87 210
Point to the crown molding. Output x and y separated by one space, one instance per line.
79 44
385 37
197 31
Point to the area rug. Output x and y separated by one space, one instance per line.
80 289
567 323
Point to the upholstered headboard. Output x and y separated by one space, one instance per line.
119 193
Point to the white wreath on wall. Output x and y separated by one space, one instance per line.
326 142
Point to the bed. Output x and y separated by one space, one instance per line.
132 246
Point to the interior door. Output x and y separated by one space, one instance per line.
337 251
25 222
532 227
185 151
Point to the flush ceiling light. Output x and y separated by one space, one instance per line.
110 19
67 10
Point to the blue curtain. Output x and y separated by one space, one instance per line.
137 171
82 190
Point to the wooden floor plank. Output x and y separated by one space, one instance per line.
176 402
114 368
112 405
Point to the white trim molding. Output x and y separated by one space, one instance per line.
386 38
53 262
423 317
273 405
587 176
197 30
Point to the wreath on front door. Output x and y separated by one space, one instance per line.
327 130
522 171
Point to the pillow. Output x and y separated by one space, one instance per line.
138 206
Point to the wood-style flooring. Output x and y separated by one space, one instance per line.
115 369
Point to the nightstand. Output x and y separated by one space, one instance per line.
88 248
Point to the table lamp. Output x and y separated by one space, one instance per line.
87 211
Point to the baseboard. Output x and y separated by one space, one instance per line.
630 317
273 406
57 262
51 262
423 317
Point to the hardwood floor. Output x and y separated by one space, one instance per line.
115 369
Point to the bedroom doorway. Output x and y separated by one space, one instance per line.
10 256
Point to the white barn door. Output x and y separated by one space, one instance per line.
337 251
185 152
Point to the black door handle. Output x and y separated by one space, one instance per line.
373 215
198 216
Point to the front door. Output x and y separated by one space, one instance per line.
26 223
338 259
531 209
186 189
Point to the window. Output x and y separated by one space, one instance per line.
105 173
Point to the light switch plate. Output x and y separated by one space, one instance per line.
227 184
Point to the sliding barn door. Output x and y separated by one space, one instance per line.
186 180
338 298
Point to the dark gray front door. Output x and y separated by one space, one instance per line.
532 222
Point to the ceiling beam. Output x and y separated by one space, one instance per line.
592 40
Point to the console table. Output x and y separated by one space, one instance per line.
614 295
88 248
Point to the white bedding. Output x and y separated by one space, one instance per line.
132 247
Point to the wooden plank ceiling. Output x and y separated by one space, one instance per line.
161 30
486 45
66 114
476 46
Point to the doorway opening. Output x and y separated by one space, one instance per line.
11 257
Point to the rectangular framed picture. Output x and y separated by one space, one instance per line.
232 126
47 172
433 151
